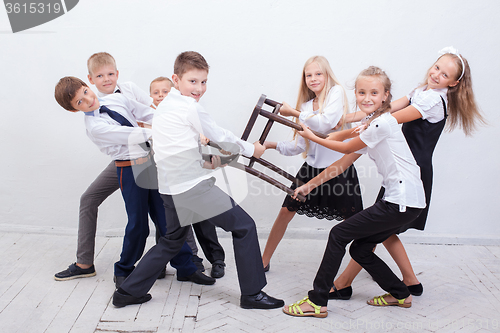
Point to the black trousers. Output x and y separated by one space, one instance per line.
366 229
209 242
204 197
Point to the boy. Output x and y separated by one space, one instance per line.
104 75
189 193
159 89
205 232
113 128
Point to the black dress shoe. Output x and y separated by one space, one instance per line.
120 300
260 301
118 280
416 289
197 277
217 269
344 293
163 274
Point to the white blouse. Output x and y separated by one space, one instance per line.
429 103
387 147
317 155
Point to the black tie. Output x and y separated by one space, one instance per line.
122 120
116 116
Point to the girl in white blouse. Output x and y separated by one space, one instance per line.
402 202
444 98
322 103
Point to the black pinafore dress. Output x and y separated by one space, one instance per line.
422 137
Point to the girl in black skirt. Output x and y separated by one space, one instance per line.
323 103
445 97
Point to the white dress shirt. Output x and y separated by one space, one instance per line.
318 156
387 147
429 103
132 91
119 142
177 125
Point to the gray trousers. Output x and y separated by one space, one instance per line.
102 187
190 206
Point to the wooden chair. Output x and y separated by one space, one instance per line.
273 117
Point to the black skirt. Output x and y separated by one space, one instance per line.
337 199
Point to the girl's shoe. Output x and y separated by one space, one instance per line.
295 310
266 269
380 301
344 293
416 289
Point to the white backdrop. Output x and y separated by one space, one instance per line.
253 47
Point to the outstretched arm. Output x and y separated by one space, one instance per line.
342 147
331 172
403 111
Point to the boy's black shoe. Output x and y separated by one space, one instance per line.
75 272
260 301
120 300
217 269
197 277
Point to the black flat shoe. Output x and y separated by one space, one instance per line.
197 277
260 301
120 300
217 269
344 293
266 269
416 289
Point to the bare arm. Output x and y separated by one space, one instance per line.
354 117
407 114
286 110
342 147
270 144
343 135
399 104
331 172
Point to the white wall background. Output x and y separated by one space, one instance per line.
253 47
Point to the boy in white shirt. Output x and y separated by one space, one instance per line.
205 232
112 124
104 75
188 192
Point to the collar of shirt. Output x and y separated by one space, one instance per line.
94 113
100 94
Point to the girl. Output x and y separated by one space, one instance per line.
322 103
446 93
403 200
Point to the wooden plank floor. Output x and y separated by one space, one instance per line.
462 292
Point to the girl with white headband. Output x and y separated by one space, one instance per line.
445 96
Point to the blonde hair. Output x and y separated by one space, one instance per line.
306 94
382 77
100 59
463 111
159 79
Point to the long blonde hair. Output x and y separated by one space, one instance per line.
380 75
305 94
463 111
